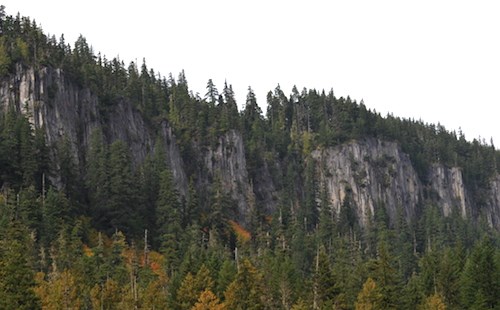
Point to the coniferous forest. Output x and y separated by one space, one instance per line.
90 221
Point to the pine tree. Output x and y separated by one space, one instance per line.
55 215
27 151
370 297
481 278
448 277
208 301
192 287
226 276
59 292
245 292
122 206
5 60
67 169
385 275
106 296
168 219
97 179
413 293
434 302
156 293
324 288
212 94
16 269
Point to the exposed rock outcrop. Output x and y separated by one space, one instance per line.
374 172
52 102
378 174
492 208
227 162
448 186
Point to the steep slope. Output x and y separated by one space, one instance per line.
374 173
65 111
378 174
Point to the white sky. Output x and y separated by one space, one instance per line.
438 61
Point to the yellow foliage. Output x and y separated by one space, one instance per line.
155 295
434 302
59 292
300 305
106 296
208 301
87 251
369 297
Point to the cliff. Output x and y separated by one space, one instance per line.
379 174
374 173
63 110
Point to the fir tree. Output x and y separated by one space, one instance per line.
16 269
168 218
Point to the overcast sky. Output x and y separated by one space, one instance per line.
438 61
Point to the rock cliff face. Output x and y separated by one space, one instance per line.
52 103
492 208
378 174
226 161
450 193
65 111
373 173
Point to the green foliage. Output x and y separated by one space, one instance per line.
192 287
481 276
85 230
168 218
56 215
122 208
16 269
384 273
4 58
245 292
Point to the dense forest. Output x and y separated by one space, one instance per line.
99 230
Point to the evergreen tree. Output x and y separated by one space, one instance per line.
324 289
433 302
67 169
59 292
16 269
208 301
122 199
369 298
5 60
55 215
106 296
481 278
192 287
385 275
226 275
212 94
168 218
448 277
245 292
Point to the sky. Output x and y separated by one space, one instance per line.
438 61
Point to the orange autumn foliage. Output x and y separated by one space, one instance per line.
242 234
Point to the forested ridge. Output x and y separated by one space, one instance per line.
85 225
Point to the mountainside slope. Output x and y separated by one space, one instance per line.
373 172
129 191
